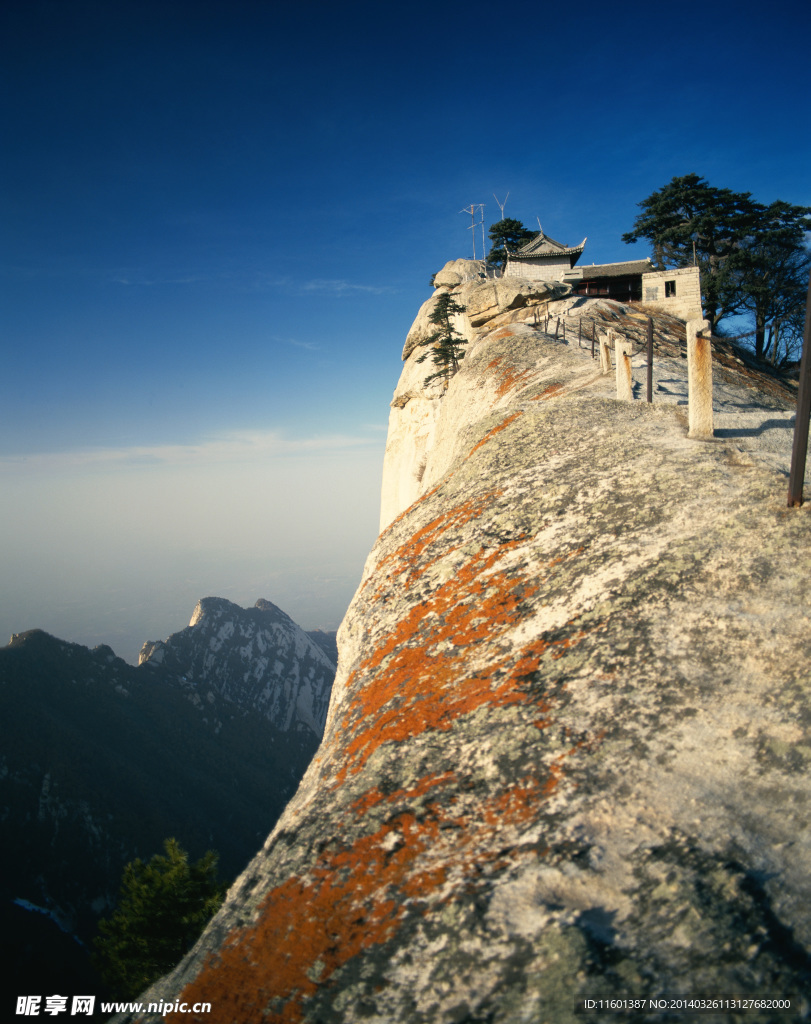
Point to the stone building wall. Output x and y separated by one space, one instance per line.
551 269
677 292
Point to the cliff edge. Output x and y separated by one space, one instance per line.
568 747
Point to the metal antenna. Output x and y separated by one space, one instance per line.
473 225
472 211
501 205
539 224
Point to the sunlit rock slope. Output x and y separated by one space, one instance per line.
568 746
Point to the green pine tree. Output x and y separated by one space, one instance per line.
507 235
162 909
752 257
445 343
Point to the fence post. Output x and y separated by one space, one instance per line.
593 334
605 354
650 358
799 449
625 382
699 381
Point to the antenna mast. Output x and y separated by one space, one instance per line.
501 205
473 225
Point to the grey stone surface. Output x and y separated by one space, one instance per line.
568 747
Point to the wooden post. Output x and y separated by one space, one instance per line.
699 381
799 449
625 380
650 358
593 334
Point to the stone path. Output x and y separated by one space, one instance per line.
745 418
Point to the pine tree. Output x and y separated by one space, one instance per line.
162 909
688 219
752 257
506 236
772 275
446 344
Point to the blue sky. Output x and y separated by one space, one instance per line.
218 221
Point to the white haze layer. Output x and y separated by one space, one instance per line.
117 545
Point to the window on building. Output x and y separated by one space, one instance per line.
670 289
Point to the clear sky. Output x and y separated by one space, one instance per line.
219 217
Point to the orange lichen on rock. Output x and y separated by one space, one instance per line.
496 430
502 333
418 677
350 900
306 928
548 392
421 539
374 797
509 377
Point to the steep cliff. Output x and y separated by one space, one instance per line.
568 745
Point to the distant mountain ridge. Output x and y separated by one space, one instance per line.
257 658
101 761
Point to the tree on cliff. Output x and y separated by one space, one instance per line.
750 255
163 906
507 235
445 342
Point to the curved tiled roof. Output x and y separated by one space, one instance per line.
543 246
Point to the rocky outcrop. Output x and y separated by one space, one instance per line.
456 272
415 407
568 747
256 658
485 299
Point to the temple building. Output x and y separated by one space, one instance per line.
543 259
676 291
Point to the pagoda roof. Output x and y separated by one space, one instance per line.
542 246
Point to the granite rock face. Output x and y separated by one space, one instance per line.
256 658
568 746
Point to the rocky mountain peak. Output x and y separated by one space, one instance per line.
257 658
